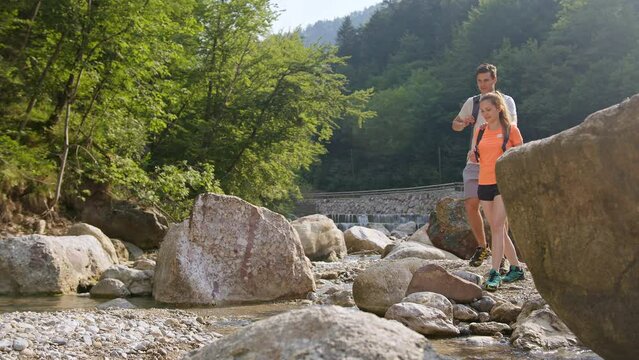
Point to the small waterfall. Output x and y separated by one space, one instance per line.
390 221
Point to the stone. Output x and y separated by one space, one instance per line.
231 251
435 278
326 332
86 229
423 319
421 236
359 238
110 288
379 227
121 250
144 227
542 330
408 228
529 306
41 227
574 215
505 312
134 251
408 249
399 235
139 282
469 276
484 317
384 283
320 237
489 328
483 304
20 344
38 264
465 313
449 230
144 264
342 298
116 304
434 300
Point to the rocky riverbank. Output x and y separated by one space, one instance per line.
173 333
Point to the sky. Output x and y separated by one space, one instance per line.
306 12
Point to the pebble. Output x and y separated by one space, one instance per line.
20 344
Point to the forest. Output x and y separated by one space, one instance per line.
156 101
561 60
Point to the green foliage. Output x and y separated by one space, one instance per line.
559 60
24 169
164 100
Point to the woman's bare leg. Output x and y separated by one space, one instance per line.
497 231
499 211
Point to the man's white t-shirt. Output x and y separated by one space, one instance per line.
467 110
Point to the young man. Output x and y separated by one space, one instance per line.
486 76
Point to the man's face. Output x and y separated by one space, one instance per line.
485 82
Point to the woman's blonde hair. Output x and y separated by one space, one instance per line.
497 99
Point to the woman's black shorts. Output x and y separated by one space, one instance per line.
487 192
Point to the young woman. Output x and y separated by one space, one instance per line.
493 139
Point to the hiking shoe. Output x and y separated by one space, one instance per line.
503 269
515 273
481 253
494 280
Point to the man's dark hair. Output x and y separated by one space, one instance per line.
487 68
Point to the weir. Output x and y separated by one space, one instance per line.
389 207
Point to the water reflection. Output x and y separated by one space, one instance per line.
63 302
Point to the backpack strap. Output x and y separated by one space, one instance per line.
480 134
475 112
506 139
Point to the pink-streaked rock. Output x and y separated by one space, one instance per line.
231 251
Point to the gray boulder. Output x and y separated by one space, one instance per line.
327 332
38 264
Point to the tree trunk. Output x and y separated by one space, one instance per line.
63 158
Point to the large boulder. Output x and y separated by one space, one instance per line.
327 332
384 284
359 238
449 230
230 251
86 229
39 264
572 204
122 220
320 237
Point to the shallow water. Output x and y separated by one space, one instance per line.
233 318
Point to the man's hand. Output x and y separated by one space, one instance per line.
468 120
472 157
460 124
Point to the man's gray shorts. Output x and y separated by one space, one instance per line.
471 180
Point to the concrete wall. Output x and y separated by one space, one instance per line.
419 201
